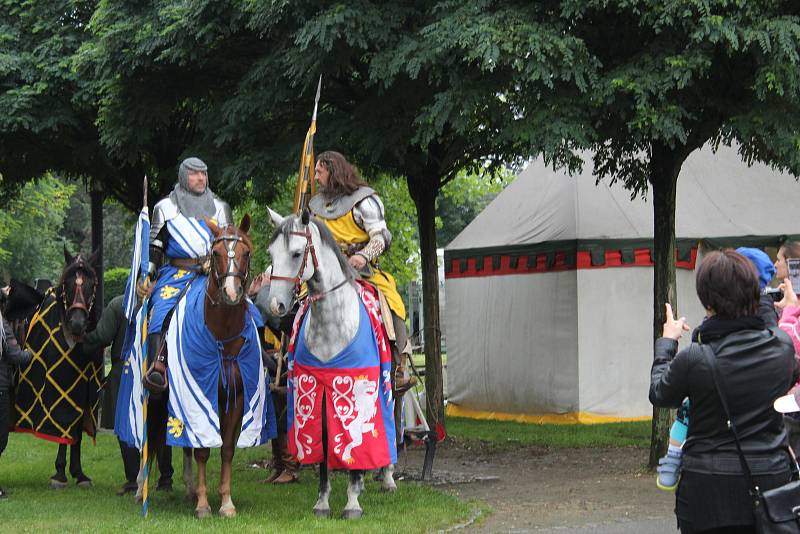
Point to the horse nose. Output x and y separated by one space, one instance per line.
277 308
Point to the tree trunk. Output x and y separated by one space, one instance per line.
97 241
424 191
664 169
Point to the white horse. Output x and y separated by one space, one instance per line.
304 250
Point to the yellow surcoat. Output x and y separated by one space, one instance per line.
346 232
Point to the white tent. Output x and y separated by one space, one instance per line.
549 290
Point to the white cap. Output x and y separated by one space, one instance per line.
788 403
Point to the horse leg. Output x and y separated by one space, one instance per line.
230 421
355 486
75 467
322 508
387 478
202 510
59 480
188 475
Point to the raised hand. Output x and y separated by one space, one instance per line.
674 328
789 296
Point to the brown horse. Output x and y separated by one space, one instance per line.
226 318
225 313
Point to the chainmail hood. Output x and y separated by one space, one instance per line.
197 205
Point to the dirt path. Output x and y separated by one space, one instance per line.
535 488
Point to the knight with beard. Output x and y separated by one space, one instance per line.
354 214
180 245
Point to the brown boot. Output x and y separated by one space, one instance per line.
290 465
275 463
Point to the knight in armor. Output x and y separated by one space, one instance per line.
354 214
180 245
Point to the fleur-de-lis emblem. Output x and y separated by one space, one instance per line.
167 292
175 427
180 274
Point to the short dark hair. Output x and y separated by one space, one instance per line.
791 249
727 282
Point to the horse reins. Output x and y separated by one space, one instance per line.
297 280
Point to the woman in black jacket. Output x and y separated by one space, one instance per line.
756 365
10 354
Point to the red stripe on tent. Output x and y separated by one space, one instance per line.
613 258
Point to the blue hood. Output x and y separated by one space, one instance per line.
764 266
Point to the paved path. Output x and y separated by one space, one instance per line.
554 490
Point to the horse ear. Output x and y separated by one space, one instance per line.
276 219
67 256
305 216
244 226
215 231
94 259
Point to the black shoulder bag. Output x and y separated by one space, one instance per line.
776 511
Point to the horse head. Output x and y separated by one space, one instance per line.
293 251
230 260
302 247
76 290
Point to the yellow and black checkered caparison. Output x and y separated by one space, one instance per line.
58 392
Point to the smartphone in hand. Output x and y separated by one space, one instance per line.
794 272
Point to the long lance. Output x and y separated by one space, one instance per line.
306 185
145 464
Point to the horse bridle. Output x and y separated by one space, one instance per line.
79 299
230 242
298 280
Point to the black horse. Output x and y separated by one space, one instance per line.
58 391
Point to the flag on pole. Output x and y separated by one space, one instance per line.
139 261
306 185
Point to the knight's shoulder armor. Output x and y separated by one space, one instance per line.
326 208
222 212
164 210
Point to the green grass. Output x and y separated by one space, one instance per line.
27 464
506 434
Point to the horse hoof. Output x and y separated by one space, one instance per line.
85 483
389 489
320 512
58 484
227 512
352 514
202 513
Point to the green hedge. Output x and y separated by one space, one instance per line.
114 283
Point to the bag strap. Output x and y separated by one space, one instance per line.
711 359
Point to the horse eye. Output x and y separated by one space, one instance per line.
296 255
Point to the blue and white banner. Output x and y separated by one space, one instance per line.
128 420
139 260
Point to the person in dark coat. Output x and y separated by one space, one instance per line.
11 354
111 331
751 362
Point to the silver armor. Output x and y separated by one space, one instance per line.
368 213
165 210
